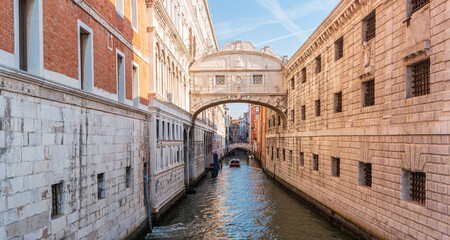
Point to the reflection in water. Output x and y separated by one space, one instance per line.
242 203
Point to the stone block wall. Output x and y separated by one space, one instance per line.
51 135
398 134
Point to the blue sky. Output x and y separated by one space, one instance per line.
284 25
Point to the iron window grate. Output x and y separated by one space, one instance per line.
128 177
302 159
421 78
367 174
417 190
303 112
304 75
293 83
101 186
56 199
335 167
220 79
318 64
315 162
338 102
418 4
257 79
317 108
369 93
23 35
370 27
339 45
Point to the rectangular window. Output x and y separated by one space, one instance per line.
257 79
272 152
304 75
365 174
120 70
278 153
57 199
128 176
413 186
419 80
293 115
85 54
220 79
163 132
318 64
157 128
290 155
279 120
284 154
23 31
135 79
303 112
335 167
293 83
301 161
368 90
317 104
418 4
315 162
134 14
338 102
370 26
339 49
101 186
119 7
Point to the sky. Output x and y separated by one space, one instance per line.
284 25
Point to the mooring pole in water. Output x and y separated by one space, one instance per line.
216 165
147 201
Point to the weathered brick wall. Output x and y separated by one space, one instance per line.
397 133
48 136
7 26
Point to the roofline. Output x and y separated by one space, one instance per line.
211 24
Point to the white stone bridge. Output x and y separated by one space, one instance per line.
238 73
245 146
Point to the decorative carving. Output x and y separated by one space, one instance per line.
368 53
412 159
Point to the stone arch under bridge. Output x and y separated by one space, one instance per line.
239 73
244 146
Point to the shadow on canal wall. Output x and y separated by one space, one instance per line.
345 224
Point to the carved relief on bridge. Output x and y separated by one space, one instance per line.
238 73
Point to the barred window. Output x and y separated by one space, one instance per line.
365 174
303 112
57 199
368 89
315 162
279 120
220 79
101 185
272 152
304 75
370 26
293 82
278 153
421 78
339 49
290 155
335 166
284 154
318 64
413 186
257 79
317 104
128 176
338 102
418 4
293 115
301 161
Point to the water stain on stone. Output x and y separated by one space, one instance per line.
44 195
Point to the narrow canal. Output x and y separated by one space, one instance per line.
243 203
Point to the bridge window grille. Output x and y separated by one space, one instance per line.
365 170
57 199
339 48
101 186
304 75
301 161
317 104
220 79
318 64
421 78
370 26
335 166
128 176
303 112
257 79
338 102
418 4
417 188
315 162
369 93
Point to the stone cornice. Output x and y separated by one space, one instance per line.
109 27
340 15
211 23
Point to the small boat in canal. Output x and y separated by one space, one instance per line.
235 162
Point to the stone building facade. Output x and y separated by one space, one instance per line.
368 130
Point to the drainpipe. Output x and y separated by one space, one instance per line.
147 202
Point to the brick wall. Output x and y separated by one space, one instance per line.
397 133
